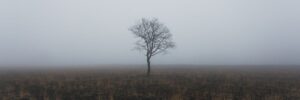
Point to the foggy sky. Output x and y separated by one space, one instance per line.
95 32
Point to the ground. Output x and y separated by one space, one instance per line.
165 83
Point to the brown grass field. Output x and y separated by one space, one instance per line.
165 83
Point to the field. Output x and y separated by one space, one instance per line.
165 83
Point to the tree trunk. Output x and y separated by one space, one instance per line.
148 63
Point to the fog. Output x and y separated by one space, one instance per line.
95 32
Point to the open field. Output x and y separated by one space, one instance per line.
180 83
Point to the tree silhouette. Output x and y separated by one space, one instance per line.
154 38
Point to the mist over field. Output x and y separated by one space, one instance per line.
95 32
149 50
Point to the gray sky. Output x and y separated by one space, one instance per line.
92 32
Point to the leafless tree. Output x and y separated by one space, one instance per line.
154 38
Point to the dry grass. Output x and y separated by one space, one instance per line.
164 84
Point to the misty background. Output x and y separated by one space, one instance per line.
95 32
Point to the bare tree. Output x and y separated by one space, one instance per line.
154 37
